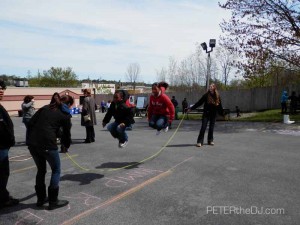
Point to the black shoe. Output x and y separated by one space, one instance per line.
54 202
10 202
87 141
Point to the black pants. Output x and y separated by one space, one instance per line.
90 133
205 119
4 174
283 107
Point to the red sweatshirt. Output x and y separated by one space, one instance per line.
161 105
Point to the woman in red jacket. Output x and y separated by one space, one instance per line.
160 110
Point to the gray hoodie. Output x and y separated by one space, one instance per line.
28 109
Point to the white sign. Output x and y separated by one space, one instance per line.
141 102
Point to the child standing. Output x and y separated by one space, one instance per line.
161 110
123 118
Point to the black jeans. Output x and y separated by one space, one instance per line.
212 119
4 174
283 107
26 121
90 133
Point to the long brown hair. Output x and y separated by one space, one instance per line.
213 98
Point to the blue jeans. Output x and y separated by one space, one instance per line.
118 132
4 174
158 122
52 157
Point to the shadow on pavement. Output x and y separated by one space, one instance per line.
115 165
181 145
84 178
21 206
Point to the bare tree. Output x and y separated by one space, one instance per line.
172 70
133 73
161 75
225 60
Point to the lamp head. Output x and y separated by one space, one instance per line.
204 46
212 43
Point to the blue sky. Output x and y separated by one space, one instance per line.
100 38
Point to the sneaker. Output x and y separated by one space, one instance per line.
211 143
158 132
123 145
198 144
166 129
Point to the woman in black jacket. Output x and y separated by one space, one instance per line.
212 105
123 118
43 130
7 140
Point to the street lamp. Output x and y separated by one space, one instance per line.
212 44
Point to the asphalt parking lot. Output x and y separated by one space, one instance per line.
250 176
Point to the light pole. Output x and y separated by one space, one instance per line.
212 44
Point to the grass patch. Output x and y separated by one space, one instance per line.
273 115
268 116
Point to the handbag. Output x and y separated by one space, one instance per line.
86 118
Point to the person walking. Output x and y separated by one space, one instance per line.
184 105
212 105
28 111
43 129
88 116
123 118
284 99
161 110
7 140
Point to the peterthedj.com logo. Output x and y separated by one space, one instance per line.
252 210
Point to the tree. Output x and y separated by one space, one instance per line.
133 73
161 75
172 70
225 60
55 77
261 31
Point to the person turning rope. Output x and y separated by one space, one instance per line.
212 104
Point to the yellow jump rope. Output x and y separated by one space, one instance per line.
131 165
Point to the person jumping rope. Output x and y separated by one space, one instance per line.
161 110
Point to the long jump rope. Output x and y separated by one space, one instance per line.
130 165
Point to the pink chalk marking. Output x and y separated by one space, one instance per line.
23 220
88 199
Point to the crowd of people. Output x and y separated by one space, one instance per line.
53 121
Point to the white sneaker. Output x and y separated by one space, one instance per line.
158 132
166 129
123 145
